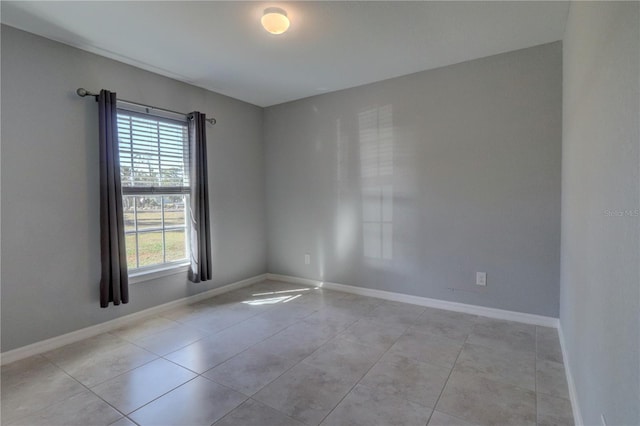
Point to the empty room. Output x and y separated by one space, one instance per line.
240 213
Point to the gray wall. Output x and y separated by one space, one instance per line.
600 280
50 221
413 184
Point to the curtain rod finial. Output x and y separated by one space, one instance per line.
82 92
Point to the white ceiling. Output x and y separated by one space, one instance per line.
330 46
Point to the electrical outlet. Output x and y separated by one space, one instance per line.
307 259
481 278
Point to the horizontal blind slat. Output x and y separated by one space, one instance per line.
166 190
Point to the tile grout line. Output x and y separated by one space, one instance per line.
125 341
160 396
212 335
120 374
250 346
86 388
131 420
297 363
267 310
102 399
221 362
229 326
59 402
250 397
360 379
302 360
299 320
451 372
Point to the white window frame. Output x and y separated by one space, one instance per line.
146 273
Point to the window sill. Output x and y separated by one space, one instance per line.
163 271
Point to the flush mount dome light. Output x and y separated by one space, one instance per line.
275 20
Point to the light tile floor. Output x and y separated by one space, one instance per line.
281 354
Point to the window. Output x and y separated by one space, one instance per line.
154 170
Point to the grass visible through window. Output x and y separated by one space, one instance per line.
150 243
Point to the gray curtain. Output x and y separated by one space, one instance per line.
199 207
114 282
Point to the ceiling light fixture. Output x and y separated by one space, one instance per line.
275 20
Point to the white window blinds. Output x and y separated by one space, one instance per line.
153 154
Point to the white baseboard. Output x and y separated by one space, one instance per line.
425 301
75 336
573 395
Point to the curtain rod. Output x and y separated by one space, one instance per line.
84 92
